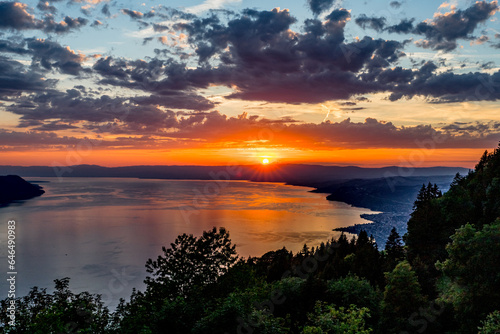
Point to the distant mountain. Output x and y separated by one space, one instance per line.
14 188
306 175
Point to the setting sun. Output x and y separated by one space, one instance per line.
265 161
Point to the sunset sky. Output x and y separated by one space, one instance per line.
369 83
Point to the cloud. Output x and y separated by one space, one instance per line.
71 106
263 60
255 54
395 4
45 6
64 26
444 30
214 129
375 23
320 6
13 47
16 79
403 27
480 40
450 87
209 5
49 55
260 58
133 13
105 10
14 15
33 139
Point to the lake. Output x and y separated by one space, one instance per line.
100 231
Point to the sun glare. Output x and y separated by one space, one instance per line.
265 161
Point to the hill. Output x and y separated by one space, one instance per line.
14 188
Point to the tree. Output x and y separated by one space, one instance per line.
394 250
191 262
352 290
366 260
471 281
60 312
402 298
426 239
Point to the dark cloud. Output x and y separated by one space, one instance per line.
133 13
264 61
395 4
338 15
403 27
319 6
444 30
177 100
55 126
258 57
46 7
481 39
27 141
375 23
160 27
14 15
146 40
33 139
214 128
105 10
70 107
13 47
15 79
66 25
49 55
450 87
55 110
487 65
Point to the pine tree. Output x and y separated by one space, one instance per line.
394 250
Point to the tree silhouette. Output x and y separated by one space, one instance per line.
189 262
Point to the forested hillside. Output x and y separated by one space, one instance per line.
445 279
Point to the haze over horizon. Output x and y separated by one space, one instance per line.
218 82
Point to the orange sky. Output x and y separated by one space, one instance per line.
362 157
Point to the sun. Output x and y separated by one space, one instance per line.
265 161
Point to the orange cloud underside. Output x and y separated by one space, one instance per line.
361 157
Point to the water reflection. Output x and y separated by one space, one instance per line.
100 231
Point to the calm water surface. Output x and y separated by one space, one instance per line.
100 231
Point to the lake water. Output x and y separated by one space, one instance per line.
100 231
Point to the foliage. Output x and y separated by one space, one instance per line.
394 250
191 262
328 319
491 325
402 297
472 272
60 312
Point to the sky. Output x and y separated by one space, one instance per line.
214 82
